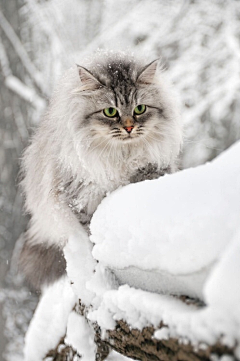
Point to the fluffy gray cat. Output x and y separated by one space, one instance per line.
111 121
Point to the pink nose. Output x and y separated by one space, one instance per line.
128 129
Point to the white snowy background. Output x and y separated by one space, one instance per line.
199 43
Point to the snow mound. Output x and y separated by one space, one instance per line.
166 235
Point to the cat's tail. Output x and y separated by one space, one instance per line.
40 263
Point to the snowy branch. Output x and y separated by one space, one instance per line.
26 93
17 86
4 61
21 52
142 345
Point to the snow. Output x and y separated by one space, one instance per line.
80 336
114 356
222 289
165 235
80 265
49 322
188 323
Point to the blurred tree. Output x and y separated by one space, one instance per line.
13 136
14 124
21 95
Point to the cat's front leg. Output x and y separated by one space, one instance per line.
150 171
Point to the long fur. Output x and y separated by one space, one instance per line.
76 156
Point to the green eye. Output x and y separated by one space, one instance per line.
140 109
110 112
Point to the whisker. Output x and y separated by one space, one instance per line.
103 150
110 152
98 145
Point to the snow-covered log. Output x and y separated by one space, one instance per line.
166 284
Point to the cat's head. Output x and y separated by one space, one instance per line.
126 104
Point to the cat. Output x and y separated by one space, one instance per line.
112 120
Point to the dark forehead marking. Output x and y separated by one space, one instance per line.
115 96
124 94
120 77
120 72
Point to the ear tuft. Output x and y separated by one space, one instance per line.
147 74
89 82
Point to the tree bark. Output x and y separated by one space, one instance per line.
142 345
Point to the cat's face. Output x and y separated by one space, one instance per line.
123 102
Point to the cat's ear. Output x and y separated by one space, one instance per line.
89 82
148 73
